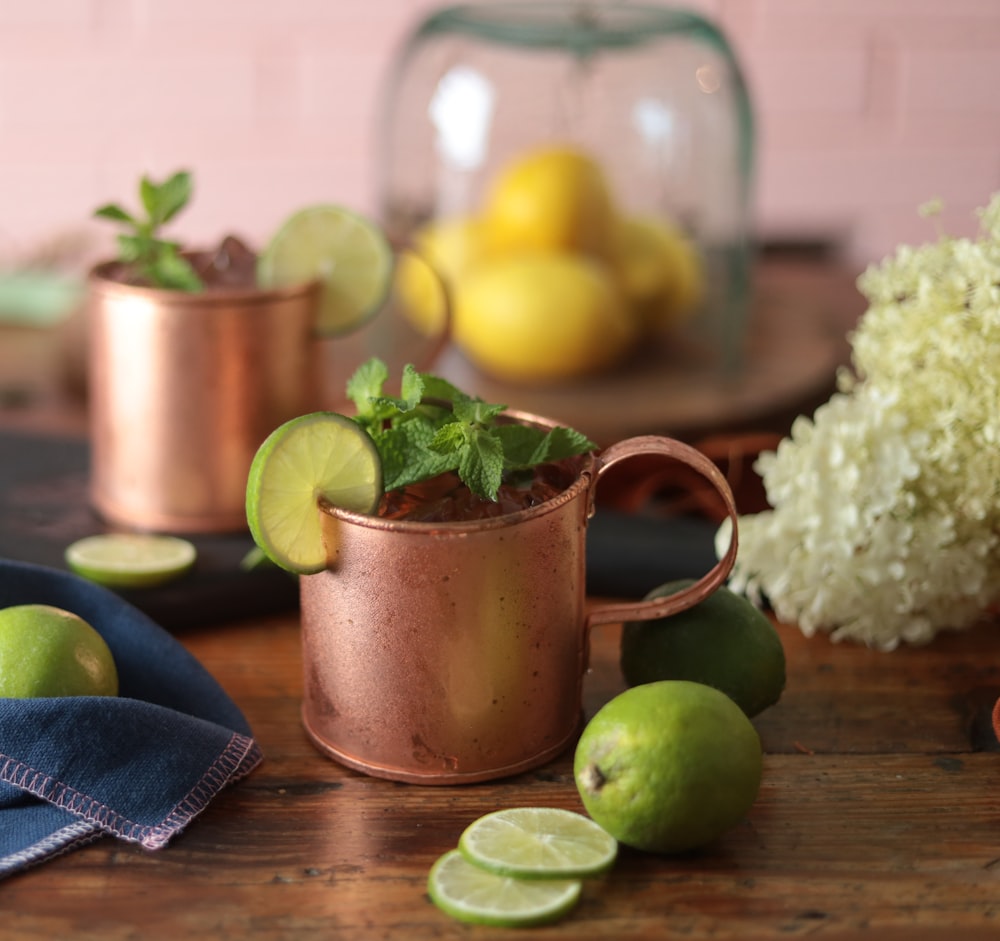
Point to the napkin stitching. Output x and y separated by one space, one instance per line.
239 750
75 834
236 761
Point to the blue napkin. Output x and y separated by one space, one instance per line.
139 766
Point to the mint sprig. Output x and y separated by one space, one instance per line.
156 260
433 427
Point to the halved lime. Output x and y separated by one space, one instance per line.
130 560
323 454
349 255
474 895
538 843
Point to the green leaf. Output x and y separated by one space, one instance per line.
162 201
407 456
132 248
476 411
411 387
559 443
365 384
171 271
435 427
481 465
156 259
451 437
520 443
441 390
113 212
174 194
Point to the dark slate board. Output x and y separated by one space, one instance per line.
44 506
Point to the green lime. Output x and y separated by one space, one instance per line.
538 843
319 455
668 766
346 252
46 651
474 895
130 560
723 641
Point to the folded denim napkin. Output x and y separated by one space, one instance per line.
138 766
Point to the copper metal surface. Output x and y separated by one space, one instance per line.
455 652
183 388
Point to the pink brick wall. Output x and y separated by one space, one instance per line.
866 108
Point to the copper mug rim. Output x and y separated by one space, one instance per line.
595 466
102 277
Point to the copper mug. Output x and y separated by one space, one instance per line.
443 653
183 388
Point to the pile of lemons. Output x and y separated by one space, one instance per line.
550 281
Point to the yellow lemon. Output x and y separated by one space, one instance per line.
660 270
555 199
450 247
542 317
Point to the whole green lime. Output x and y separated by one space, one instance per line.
668 766
723 641
46 651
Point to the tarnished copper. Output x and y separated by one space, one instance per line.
456 652
183 388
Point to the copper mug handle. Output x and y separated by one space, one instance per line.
701 589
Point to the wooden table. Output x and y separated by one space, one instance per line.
879 815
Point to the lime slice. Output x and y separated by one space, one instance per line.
538 843
130 560
322 454
348 253
474 895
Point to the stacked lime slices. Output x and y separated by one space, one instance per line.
519 867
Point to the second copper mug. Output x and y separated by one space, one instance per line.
183 388
442 653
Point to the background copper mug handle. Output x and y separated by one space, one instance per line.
662 607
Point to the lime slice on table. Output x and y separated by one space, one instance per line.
471 894
322 454
130 560
538 843
349 255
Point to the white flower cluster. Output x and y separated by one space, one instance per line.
885 519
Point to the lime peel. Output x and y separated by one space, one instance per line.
130 560
473 895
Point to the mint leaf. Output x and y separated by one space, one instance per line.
434 427
115 213
141 248
171 271
481 464
412 387
407 455
366 384
520 443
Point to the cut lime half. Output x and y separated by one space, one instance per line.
130 560
473 895
538 843
345 251
320 455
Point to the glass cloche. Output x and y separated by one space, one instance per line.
615 135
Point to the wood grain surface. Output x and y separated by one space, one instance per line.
878 816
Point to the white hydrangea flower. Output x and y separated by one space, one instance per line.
885 519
